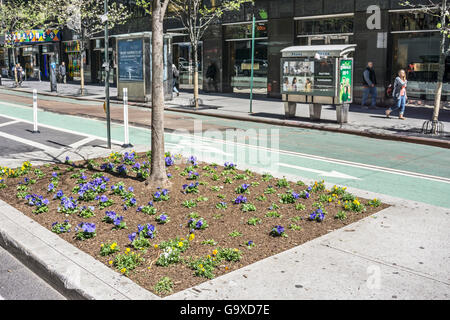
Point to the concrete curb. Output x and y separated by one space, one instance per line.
286 123
73 273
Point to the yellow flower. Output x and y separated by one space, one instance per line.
191 237
128 250
182 239
236 249
110 262
214 252
180 244
156 246
123 270
200 266
113 246
102 245
208 256
356 202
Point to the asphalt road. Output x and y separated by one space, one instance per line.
17 282
403 170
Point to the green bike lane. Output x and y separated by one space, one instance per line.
421 173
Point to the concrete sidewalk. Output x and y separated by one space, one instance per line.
401 252
362 121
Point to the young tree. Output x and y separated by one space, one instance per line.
16 16
157 9
196 16
438 9
84 18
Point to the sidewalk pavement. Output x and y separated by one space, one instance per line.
364 121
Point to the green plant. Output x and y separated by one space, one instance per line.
266 177
273 214
254 221
229 254
201 199
261 198
127 261
222 205
216 188
235 234
169 255
341 215
270 190
108 248
282 183
59 228
374 203
194 215
300 206
247 207
189 204
86 212
164 286
209 242
295 227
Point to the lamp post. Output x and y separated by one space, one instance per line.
104 19
253 59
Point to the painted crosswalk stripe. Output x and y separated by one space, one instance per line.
28 142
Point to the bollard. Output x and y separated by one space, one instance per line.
127 143
35 122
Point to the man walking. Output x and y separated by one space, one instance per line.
62 72
211 73
370 85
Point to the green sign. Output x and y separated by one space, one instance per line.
345 80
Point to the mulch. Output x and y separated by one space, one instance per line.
221 222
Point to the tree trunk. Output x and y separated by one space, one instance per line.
440 79
158 175
16 79
195 53
82 65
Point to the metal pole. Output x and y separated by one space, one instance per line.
253 62
35 121
106 65
127 143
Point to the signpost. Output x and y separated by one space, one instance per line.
106 66
35 121
253 62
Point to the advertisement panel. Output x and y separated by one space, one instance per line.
130 58
345 80
307 76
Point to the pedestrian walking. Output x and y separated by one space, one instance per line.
176 75
62 72
369 84
20 74
211 74
399 94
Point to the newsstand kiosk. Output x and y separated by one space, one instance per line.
318 75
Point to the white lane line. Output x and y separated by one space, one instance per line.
297 154
28 142
325 159
333 173
82 142
87 135
9 122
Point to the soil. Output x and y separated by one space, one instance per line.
221 222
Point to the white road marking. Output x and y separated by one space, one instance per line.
62 129
297 154
331 160
334 174
82 142
28 142
9 122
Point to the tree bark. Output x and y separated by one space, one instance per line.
440 79
82 53
158 175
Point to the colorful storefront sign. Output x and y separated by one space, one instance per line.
34 36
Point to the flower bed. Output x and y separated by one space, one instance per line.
213 219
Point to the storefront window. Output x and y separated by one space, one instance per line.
72 49
325 26
244 31
418 54
410 21
241 61
182 57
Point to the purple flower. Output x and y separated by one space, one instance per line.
131 189
103 199
169 175
140 228
199 224
88 227
250 243
169 161
163 217
111 214
51 187
67 158
240 199
132 236
295 195
55 175
118 220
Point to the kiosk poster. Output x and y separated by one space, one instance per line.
130 56
345 81
308 76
